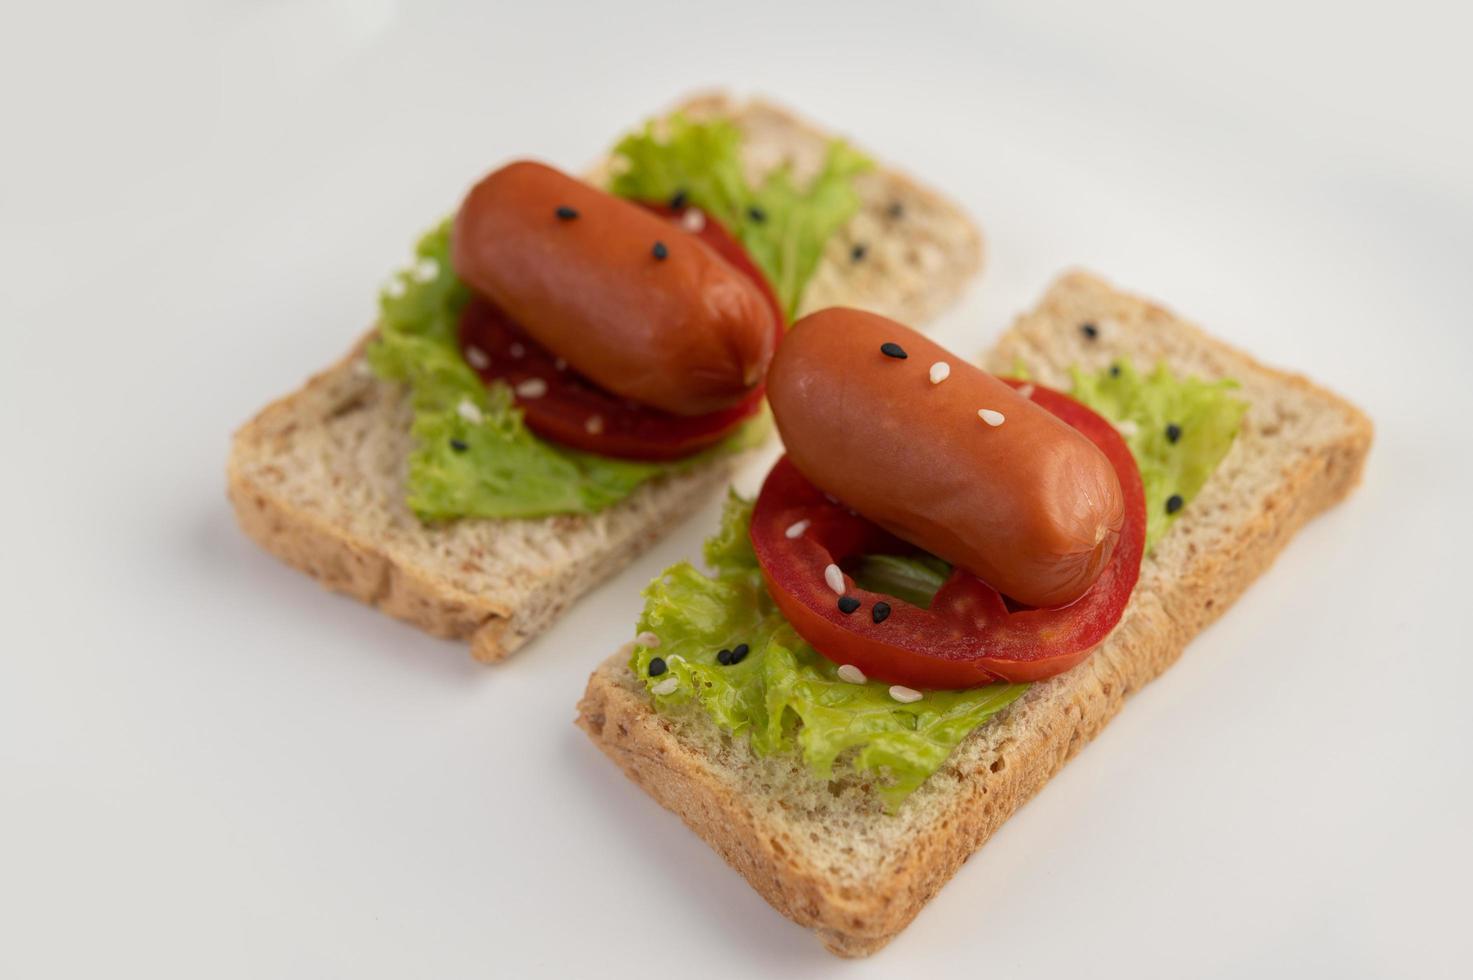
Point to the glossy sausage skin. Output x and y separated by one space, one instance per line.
687 333
1030 506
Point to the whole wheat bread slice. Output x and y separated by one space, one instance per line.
317 478
826 855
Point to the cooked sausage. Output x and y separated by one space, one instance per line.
1018 498
644 309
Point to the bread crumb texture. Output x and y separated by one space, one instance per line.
827 855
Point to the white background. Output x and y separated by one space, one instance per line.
209 767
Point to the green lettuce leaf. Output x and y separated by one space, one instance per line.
784 696
783 225
494 467
1203 415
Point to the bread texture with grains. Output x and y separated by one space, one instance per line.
317 477
827 855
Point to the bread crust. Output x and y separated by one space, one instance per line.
1191 579
498 584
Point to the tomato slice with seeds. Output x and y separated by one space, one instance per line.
970 634
561 405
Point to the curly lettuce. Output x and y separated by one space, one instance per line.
783 225
473 454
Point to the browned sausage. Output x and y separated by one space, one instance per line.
644 309
1029 505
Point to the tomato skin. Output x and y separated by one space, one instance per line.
573 411
969 636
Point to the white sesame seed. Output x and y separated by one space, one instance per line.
834 578
831 498
532 388
1026 391
647 639
1127 428
940 371
668 580
560 364
467 410
796 529
426 270
517 351
594 424
693 220
477 358
991 417
363 369
667 686
394 288
852 674
905 695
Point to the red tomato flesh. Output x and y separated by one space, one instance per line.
562 406
971 634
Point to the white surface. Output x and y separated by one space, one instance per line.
210 767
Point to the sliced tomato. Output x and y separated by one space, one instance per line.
561 405
971 634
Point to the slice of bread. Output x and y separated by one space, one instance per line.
317 478
826 855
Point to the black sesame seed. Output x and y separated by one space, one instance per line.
856 253
757 214
896 209
847 604
1114 370
724 657
1089 330
1174 503
677 200
1173 432
880 612
459 445
566 213
892 349
660 251
657 666
740 653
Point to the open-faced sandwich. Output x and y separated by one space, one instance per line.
950 583
571 366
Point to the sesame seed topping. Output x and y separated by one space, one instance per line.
757 214
667 686
834 578
1127 428
426 270
892 349
896 209
992 417
1089 330
565 213
517 350
1174 503
856 254
1114 370
1027 391
847 604
467 410
660 251
880 612
796 529
940 371
905 695
851 674
693 220
677 200
657 666
1173 432
531 388
394 288
459 445
723 657
477 358
594 425
647 639
739 653
363 369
